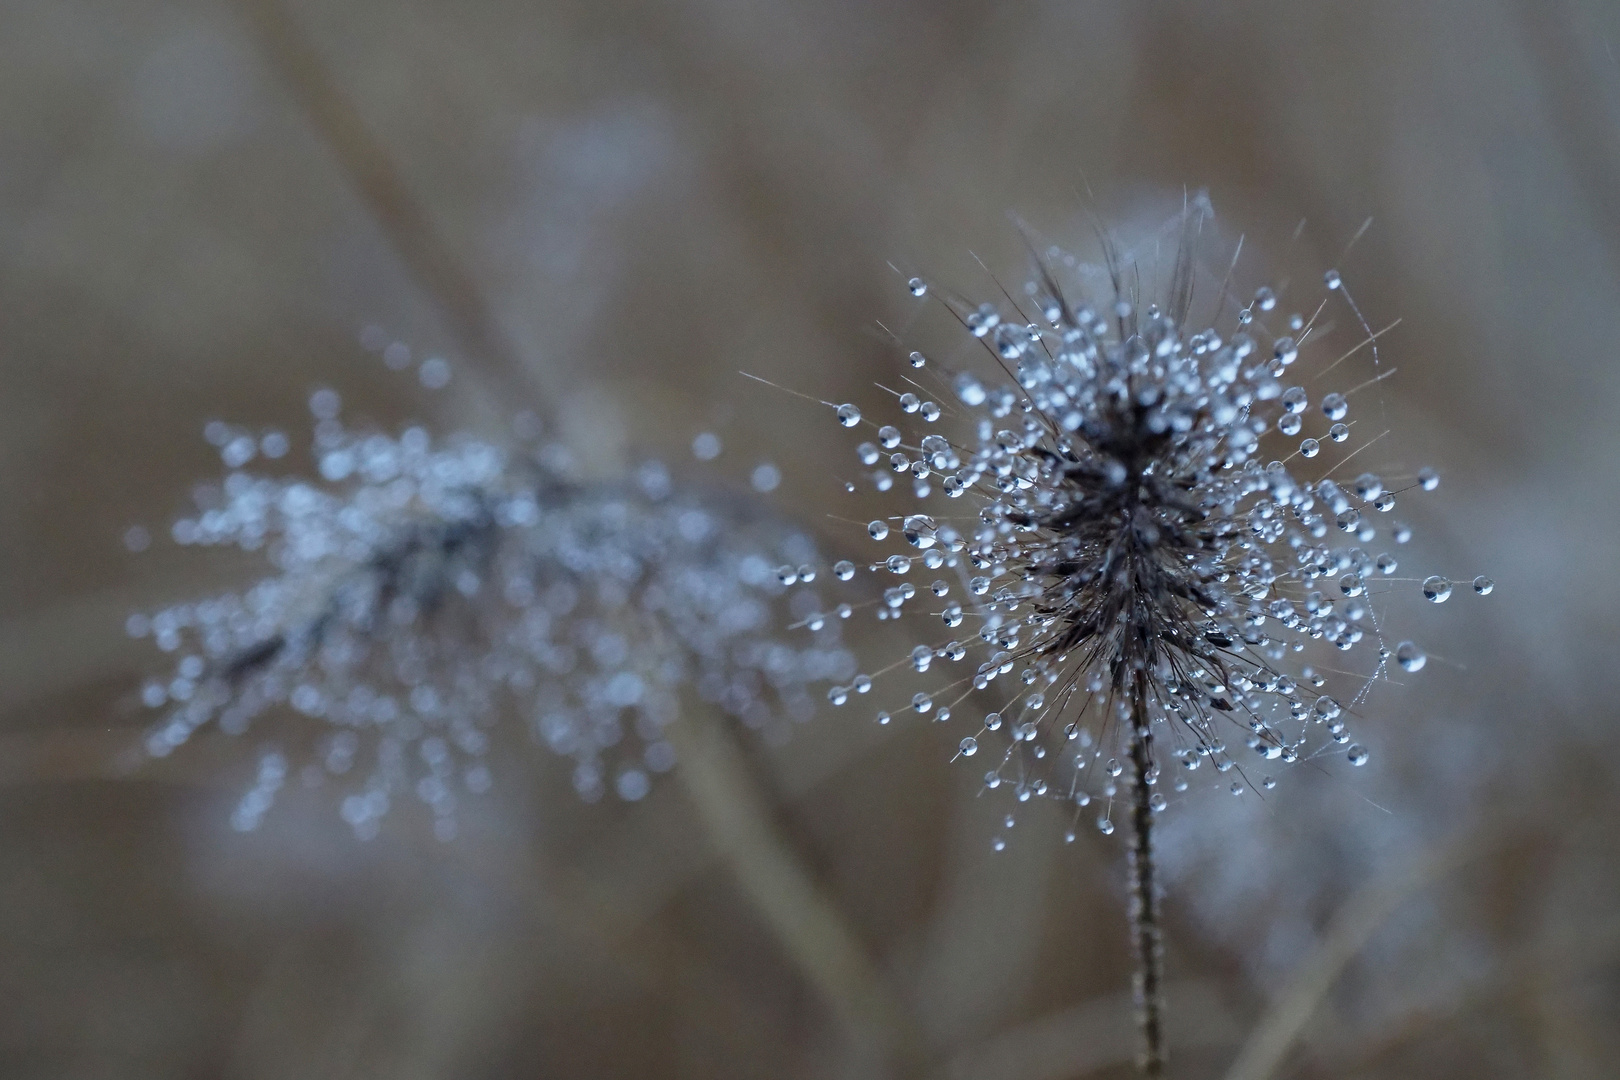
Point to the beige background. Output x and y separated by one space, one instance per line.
612 207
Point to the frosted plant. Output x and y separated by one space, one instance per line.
1136 549
418 592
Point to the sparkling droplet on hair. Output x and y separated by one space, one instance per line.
1358 754
1331 279
878 530
917 359
1334 406
843 570
1436 589
968 746
1484 585
849 415
970 390
1309 448
889 436
1338 433
1410 657
917 286
1428 479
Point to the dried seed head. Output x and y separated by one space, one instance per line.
1136 538
419 592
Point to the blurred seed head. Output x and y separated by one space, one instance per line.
420 591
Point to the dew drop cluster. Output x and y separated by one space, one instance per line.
1123 505
418 592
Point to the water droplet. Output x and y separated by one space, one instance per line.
1484 585
1264 298
1309 447
1331 279
898 564
1410 657
1348 519
849 415
1295 400
1105 826
434 373
1334 407
889 436
1289 424
917 286
970 390
921 702
878 530
1436 589
968 746
843 570
765 477
325 404
1156 802
910 403
918 359
1401 533
1386 563
706 446
1428 479
1385 502
929 411
1358 754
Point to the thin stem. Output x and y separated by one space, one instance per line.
1146 937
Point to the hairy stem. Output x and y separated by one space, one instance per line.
1144 905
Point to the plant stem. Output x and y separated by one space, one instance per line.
1144 902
